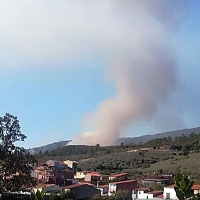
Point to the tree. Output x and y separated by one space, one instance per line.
15 162
38 195
183 187
67 195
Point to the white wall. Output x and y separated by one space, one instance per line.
171 191
103 190
112 189
141 195
34 174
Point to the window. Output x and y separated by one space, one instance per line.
167 195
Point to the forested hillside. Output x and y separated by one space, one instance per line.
156 154
48 147
133 140
146 138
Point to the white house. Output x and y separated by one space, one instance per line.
104 189
128 185
169 192
144 193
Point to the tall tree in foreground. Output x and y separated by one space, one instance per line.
15 162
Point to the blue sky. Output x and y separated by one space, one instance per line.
54 60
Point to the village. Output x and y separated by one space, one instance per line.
56 177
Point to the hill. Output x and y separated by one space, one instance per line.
127 140
48 147
146 138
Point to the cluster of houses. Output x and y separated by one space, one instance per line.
57 176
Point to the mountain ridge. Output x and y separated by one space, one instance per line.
125 140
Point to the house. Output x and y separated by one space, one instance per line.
81 174
59 181
82 190
144 193
196 188
71 164
38 174
104 189
48 188
158 180
63 174
138 192
56 164
122 176
129 185
94 177
169 192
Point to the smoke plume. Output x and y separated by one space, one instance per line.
142 66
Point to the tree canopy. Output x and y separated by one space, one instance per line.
15 162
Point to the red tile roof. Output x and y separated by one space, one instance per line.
121 182
118 175
78 185
155 192
74 186
160 196
94 174
103 186
142 189
196 187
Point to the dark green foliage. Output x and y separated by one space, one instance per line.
63 196
67 195
183 187
38 195
15 162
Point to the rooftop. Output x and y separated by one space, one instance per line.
78 185
160 196
196 187
103 186
121 182
142 189
155 192
117 175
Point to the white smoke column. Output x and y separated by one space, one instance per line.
143 69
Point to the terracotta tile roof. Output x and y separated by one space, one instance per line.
196 187
160 196
94 174
142 189
49 185
121 182
155 192
74 186
78 185
103 186
118 175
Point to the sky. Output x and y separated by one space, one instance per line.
56 61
